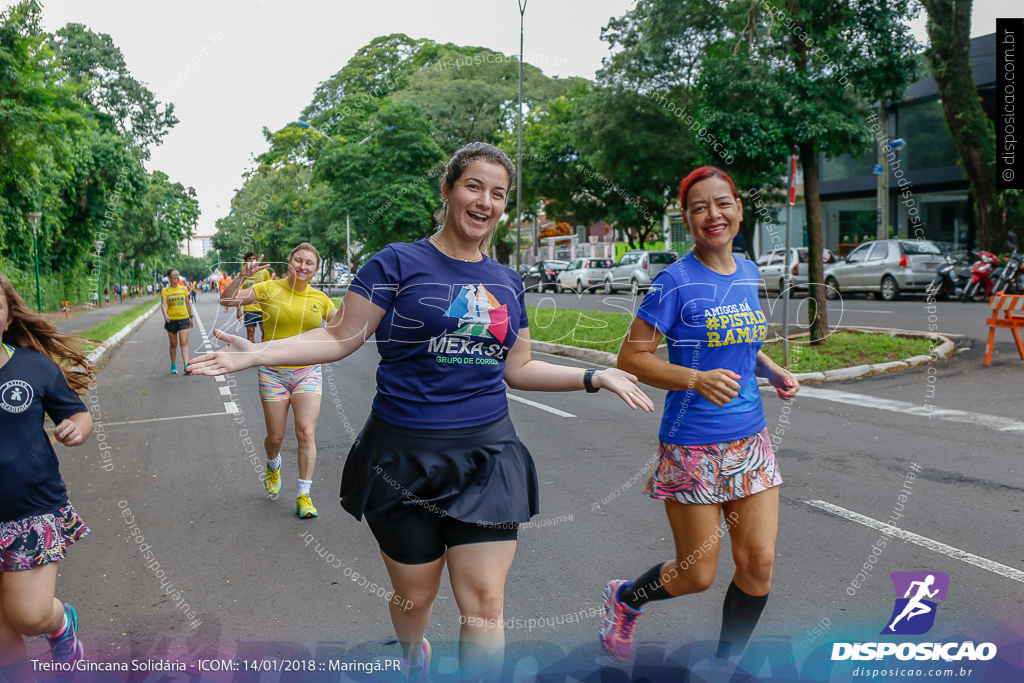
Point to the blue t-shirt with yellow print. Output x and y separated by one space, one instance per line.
709 321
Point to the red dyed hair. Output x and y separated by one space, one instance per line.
703 173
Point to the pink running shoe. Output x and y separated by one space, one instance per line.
418 673
619 622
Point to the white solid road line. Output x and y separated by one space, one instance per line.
999 424
934 546
864 310
162 419
230 407
555 411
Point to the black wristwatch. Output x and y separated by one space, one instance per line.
588 381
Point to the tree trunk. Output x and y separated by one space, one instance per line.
817 314
949 29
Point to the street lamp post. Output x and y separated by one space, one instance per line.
885 145
131 262
99 272
120 282
33 220
519 149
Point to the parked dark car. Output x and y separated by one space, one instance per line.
543 275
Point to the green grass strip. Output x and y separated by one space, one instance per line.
844 349
100 332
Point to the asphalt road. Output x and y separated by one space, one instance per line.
252 573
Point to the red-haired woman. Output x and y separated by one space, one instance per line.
37 523
715 456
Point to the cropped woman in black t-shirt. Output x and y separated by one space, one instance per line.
37 523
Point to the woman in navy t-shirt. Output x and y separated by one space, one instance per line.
37 523
438 470
715 455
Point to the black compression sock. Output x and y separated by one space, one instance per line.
648 587
740 613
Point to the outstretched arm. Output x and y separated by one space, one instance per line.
348 330
524 373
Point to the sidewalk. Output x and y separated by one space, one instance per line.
84 316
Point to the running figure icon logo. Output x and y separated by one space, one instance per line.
914 612
479 313
16 396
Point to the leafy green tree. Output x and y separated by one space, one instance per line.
388 185
949 31
192 268
96 68
773 85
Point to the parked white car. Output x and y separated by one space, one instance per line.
773 263
583 275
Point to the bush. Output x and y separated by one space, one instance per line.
73 286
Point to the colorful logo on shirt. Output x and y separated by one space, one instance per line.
16 396
479 313
914 613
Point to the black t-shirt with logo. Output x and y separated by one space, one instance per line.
30 481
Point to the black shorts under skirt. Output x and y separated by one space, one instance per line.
481 475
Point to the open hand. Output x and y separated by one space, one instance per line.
624 384
239 354
252 267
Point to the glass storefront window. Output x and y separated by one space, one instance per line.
846 166
929 142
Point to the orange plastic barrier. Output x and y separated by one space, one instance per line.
1012 307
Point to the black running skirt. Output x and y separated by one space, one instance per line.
473 474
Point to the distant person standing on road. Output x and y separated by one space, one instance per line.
177 310
438 470
715 454
290 307
41 371
253 313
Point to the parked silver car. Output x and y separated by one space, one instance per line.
885 267
773 263
583 275
636 270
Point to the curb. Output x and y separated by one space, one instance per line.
945 349
117 337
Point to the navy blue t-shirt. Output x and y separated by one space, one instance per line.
444 339
710 321
30 481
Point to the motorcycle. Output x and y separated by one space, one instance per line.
981 284
1011 279
948 281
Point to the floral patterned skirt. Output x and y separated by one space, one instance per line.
714 473
36 540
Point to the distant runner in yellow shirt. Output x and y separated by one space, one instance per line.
177 310
290 307
253 313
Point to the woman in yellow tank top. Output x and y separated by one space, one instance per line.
290 307
177 310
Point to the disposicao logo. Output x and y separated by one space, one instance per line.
914 614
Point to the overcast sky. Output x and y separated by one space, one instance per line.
266 57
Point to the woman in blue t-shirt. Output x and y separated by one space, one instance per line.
438 470
37 523
715 455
